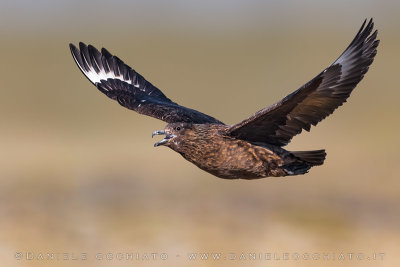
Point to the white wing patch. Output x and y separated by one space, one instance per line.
95 77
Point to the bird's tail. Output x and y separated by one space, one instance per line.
312 157
305 160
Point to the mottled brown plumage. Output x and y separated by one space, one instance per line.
252 148
210 147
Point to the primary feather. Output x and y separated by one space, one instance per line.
120 82
315 100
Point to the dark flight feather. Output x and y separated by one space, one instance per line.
252 148
315 100
120 82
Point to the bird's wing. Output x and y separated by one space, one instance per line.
120 82
316 99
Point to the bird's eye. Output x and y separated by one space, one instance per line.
178 128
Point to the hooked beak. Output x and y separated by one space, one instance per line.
157 133
165 140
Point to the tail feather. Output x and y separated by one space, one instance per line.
300 162
313 157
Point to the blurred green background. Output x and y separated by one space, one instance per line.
79 173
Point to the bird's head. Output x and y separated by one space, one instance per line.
173 134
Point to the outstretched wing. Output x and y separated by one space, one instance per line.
315 100
119 82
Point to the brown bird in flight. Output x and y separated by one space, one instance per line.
252 148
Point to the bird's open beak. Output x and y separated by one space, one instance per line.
165 140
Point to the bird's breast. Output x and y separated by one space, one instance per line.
227 157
